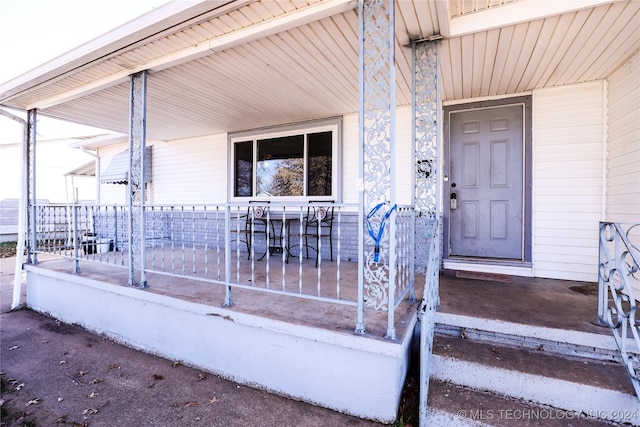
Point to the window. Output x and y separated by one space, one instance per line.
295 164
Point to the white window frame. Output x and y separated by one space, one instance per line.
333 125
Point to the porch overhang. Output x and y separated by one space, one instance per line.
226 66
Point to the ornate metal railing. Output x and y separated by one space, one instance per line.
226 244
619 282
264 246
404 239
427 312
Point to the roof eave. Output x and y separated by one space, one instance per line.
156 21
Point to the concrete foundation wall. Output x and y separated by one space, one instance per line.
347 373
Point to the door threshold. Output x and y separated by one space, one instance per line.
511 268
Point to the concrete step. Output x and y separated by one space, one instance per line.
457 406
589 345
598 388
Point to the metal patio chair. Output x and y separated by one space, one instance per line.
317 224
252 224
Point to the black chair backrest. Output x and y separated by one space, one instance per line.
320 210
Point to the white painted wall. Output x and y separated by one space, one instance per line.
623 149
190 171
194 171
568 138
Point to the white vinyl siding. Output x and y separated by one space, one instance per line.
191 171
194 171
188 172
623 150
404 165
350 161
568 131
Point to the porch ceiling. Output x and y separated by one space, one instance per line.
232 65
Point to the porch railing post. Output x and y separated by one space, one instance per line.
76 224
602 286
360 326
227 256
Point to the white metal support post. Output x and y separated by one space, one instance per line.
377 274
22 209
136 186
32 256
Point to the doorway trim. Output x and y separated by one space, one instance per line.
515 267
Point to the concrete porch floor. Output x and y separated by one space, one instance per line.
336 317
549 303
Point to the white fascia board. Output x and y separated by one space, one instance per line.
147 25
273 26
515 13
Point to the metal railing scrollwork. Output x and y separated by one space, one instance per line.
427 313
618 283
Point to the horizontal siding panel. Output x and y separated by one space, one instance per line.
572 246
585 226
556 216
628 209
569 183
571 199
558 130
555 123
623 149
625 128
567 272
589 150
403 156
579 233
626 183
568 255
191 171
350 169
567 180
630 158
623 199
566 207
581 166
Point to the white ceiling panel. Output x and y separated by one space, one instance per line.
311 71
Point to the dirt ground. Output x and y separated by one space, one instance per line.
54 374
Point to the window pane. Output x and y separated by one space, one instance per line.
319 164
244 168
280 169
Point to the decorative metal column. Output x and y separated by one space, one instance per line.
136 196
377 148
426 197
426 137
32 257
